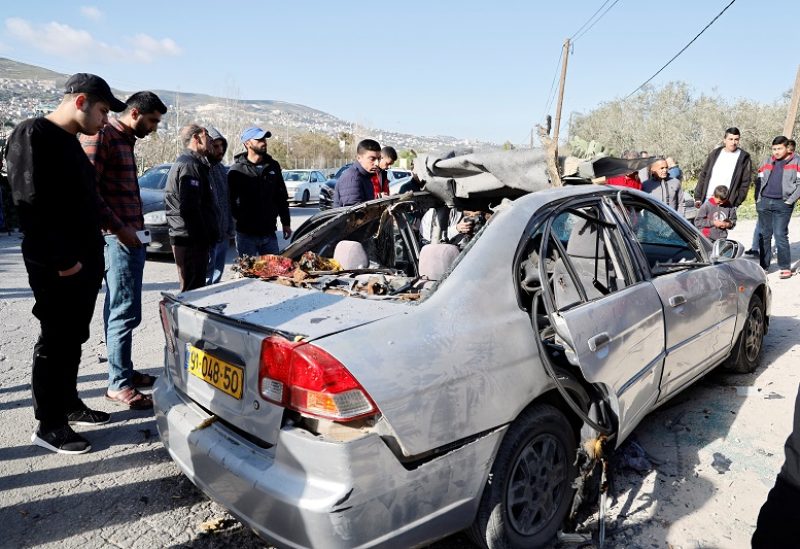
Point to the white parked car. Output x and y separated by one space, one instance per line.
303 185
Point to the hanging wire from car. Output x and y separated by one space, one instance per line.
682 50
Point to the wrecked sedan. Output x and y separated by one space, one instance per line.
414 391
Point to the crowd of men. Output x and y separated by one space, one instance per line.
722 186
74 181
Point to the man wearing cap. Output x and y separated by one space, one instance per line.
111 152
258 196
54 189
218 175
191 212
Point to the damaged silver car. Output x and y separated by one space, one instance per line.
405 392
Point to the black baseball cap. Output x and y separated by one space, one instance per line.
83 82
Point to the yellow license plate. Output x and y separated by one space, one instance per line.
223 375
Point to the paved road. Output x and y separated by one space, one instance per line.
127 493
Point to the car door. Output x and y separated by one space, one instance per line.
317 179
699 298
612 324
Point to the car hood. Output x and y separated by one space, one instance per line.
152 199
286 310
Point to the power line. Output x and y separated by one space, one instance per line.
551 94
588 20
595 21
680 52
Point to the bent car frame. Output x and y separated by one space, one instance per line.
421 390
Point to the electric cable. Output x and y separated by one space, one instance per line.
578 37
588 20
680 52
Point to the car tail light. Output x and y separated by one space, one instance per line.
303 377
168 335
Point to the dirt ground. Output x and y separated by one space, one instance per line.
712 453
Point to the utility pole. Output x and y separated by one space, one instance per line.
557 126
791 116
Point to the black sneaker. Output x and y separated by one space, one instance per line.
752 252
62 440
88 417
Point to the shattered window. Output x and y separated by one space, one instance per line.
659 241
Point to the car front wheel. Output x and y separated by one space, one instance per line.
747 350
529 489
306 196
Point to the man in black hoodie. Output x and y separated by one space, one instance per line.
191 211
53 185
258 196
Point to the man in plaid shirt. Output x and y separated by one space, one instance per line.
111 152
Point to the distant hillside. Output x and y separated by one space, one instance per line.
19 71
23 99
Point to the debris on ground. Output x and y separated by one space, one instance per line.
721 464
747 390
631 455
216 524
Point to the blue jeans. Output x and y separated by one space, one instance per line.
773 218
216 262
756 245
122 310
256 245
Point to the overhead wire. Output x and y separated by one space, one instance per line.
682 50
588 20
578 37
551 94
583 29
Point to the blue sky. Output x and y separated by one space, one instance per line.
479 70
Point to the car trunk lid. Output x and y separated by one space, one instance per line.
217 333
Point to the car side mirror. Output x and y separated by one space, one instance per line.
726 249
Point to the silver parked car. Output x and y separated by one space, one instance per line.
424 390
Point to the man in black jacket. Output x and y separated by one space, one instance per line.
191 210
258 196
728 165
53 185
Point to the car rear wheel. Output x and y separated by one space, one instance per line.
747 350
529 489
306 196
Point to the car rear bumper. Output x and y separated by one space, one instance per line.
306 492
159 239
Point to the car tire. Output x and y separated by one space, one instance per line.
529 490
747 350
306 197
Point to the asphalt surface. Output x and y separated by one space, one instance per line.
127 492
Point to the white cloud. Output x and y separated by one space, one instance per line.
146 48
64 41
91 12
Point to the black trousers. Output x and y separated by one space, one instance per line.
192 263
64 307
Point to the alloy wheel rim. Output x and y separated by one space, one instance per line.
538 479
754 334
